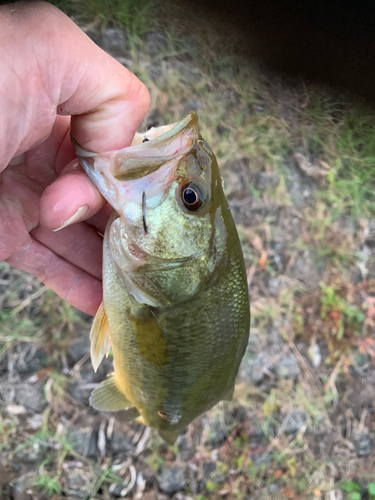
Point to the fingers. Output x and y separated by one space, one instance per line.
100 219
53 67
79 244
71 198
75 285
111 118
45 161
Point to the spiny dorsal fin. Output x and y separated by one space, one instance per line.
169 436
108 397
99 336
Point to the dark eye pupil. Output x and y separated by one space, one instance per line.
190 196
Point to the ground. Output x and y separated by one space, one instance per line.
297 162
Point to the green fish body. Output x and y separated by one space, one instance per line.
175 297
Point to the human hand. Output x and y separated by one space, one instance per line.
49 71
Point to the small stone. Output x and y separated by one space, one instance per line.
31 397
19 486
356 276
120 490
171 479
287 366
155 43
181 496
305 270
253 367
186 449
156 70
84 441
240 414
35 421
369 233
294 421
273 488
27 358
315 354
113 41
267 179
210 472
77 390
364 445
275 285
78 482
361 361
79 349
120 444
262 458
218 433
31 453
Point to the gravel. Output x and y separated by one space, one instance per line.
171 479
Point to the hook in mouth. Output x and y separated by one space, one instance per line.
144 212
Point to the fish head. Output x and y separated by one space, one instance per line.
168 230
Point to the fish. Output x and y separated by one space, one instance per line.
175 307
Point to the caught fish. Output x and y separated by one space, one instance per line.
175 304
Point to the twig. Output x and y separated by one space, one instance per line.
28 300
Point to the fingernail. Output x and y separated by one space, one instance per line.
79 214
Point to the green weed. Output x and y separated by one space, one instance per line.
136 17
343 136
344 316
50 485
355 491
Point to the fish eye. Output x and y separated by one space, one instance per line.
192 196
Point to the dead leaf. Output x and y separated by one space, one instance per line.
308 168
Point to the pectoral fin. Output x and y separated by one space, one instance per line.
99 336
108 397
169 436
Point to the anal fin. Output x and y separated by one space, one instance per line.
108 397
129 414
99 336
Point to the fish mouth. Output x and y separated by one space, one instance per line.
148 152
147 165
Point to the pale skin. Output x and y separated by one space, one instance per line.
55 81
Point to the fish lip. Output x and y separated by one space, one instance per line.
191 119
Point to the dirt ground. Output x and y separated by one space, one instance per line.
297 163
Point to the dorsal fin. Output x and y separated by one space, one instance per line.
99 336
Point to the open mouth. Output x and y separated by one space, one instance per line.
144 166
